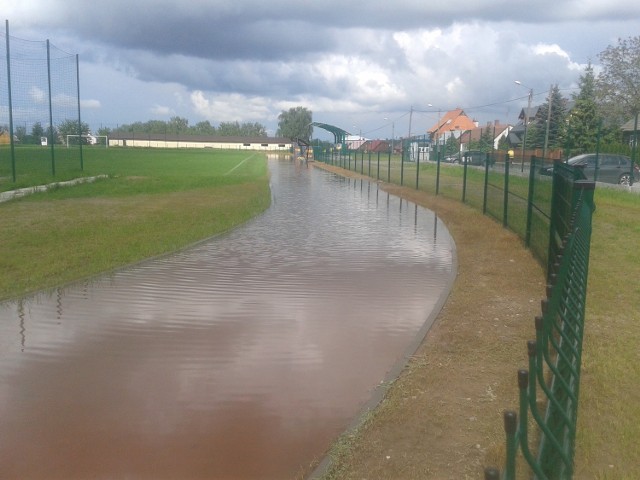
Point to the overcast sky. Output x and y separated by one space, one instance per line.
362 66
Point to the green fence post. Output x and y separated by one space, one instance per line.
402 166
510 428
418 170
532 179
378 168
437 173
505 211
486 187
362 162
634 148
465 159
369 163
491 473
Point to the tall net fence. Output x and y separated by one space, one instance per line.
39 109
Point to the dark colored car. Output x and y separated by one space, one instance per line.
475 157
612 168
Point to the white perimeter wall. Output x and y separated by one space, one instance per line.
285 147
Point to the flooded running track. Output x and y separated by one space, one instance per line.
240 358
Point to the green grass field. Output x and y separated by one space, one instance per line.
154 201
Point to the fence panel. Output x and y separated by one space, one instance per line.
39 96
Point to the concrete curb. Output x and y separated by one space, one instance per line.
22 192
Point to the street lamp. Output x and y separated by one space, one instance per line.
526 120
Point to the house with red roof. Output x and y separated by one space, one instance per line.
452 124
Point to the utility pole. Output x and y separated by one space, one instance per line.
526 122
410 117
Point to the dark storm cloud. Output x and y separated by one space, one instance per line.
248 59
251 29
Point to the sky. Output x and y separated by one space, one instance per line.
377 68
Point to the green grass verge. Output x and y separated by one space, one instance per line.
608 439
154 201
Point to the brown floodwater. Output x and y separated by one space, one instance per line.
242 357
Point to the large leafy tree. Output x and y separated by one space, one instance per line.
295 123
584 123
618 84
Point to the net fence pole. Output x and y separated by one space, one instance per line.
11 143
79 119
51 139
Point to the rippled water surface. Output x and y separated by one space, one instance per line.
243 357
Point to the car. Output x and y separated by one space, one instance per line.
612 168
451 159
475 157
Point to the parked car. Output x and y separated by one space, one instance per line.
451 159
612 168
475 157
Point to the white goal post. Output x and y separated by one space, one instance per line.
91 139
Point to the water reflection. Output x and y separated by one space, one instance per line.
242 357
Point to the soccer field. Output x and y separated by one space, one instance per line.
152 202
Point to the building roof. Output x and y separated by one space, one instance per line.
377 146
452 121
475 133
339 134
628 127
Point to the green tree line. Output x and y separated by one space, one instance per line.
180 126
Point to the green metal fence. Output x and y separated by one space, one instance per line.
552 215
553 377
40 124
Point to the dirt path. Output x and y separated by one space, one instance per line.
442 418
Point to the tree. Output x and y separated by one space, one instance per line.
584 121
485 142
253 130
295 123
21 134
550 126
229 129
70 127
178 125
204 128
105 131
618 84
452 146
37 131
